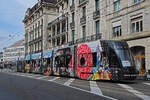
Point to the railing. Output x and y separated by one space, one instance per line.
82 2
86 39
36 40
83 20
72 25
96 14
64 16
58 31
63 30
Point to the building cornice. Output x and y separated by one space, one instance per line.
133 36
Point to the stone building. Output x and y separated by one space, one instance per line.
129 20
58 28
14 52
35 23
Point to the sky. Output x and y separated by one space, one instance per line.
11 16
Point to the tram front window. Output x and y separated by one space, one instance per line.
124 54
113 59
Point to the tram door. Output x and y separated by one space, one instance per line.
140 64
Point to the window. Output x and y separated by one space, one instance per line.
97 5
137 1
62 6
84 58
73 33
58 10
84 11
117 5
73 2
117 31
97 27
137 24
84 32
72 17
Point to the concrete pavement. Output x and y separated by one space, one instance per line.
62 88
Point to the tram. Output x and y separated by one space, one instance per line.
97 60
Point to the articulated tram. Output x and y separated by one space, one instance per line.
97 60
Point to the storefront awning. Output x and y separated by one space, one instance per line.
36 56
47 54
27 57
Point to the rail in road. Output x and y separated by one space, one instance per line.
134 90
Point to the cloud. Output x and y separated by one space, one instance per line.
27 3
11 16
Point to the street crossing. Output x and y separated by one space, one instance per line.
101 88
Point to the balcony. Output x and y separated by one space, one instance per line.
72 25
58 19
96 14
83 20
72 7
82 2
35 40
86 39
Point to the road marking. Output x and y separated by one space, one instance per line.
54 79
147 83
29 75
84 90
94 88
42 77
69 82
22 75
135 92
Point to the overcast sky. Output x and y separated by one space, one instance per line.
11 16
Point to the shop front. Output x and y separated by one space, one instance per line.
139 57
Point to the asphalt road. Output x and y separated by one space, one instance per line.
24 86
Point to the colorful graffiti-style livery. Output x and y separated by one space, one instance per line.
98 60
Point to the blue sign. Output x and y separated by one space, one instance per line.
47 54
27 57
36 56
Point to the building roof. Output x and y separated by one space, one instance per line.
36 6
50 1
18 43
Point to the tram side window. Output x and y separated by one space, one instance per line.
94 59
85 59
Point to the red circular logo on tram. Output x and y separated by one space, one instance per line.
84 61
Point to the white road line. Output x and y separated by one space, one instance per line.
84 90
94 88
69 82
22 75
135 92
29 76
147 83
54 79
42 77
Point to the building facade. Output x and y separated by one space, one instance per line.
14 52
129 20
35 23
76 21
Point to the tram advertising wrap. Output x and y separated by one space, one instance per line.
98 60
